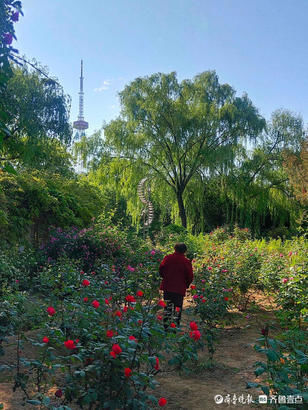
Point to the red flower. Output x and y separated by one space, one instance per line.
192 286
59 393
85 299
109 333
51 311
140 322
132 338
127 372
195 334
85 282
177 309
159 317
162 402
116 349
139 293
203 300
173 325
226 298
70 344
130 298
77 341
156 367
193 326
81 272
112 354
107 301
95 304
93 273
125 309
162 303
119 313
45 339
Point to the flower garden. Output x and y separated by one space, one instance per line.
81 322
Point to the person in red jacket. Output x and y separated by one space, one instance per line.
176 271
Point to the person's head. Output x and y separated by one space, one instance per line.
180 247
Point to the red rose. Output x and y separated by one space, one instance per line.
177 309
193 326
127 372
107 301
118 313
159 317
195 334
132 338
192 286
125 309
156 367
59 393
162 303
112 354
85 282
116 349
95 304
162 402
226 298
85 299
70 344
81 272
173 325
51 311
139 293
45 339
109 333
130 298
140 322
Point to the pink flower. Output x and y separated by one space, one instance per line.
195 297
285 280
203 280
225 270
290 253
130 268
281 255
153 252
209 268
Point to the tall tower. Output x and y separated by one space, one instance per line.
80 125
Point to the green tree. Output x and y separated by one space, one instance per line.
176 129
37 110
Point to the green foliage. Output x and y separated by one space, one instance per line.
286 366
32 201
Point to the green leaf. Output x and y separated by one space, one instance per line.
259 370
35 402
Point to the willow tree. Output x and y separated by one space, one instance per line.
176 128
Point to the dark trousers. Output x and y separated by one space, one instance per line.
174 300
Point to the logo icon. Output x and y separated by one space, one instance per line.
218 399
262 398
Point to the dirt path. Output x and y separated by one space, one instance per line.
234 360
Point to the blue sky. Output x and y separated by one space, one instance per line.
257 46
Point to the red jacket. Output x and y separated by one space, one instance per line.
177 273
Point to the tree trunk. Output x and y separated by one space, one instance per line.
182 210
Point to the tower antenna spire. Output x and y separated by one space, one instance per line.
81 125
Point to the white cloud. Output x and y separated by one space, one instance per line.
103 87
